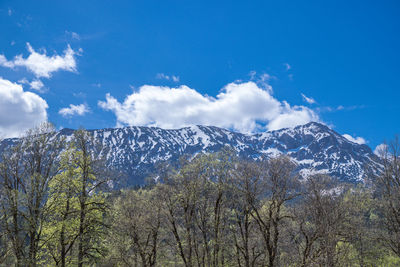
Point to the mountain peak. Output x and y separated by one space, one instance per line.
314 147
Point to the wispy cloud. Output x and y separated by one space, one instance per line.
163 76
245 107
262 79
72 110
72 35
252 74
42 65
309 100
79 95
287 66
36 84
339 108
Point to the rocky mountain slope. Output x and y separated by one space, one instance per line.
313 146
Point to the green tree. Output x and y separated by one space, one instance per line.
61 226
91 201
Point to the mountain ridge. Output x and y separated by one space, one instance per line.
314 147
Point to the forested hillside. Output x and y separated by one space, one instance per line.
58 208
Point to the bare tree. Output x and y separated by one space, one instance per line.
321 223
387 186
248 244
136 226
180 194
25 172
275 185
13 188
197 208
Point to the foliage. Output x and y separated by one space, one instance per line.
214 210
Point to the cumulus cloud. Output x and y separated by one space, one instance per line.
72 110
244 107
292 116
19 110
163 76
42 65
357 140
309 100
381 150
36 85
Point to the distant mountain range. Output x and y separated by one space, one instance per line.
315 148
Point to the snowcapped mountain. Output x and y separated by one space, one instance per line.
313 146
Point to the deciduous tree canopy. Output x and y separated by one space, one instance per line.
214 210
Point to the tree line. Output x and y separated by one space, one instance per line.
58 208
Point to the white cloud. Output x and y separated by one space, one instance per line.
9 12
74 110
167 77
252 74
265 77
5 63
381 150
287 66
75 36
79 95
292 116
339 108
357 140
41 64
35 84
262 80
309 100
241 106
19 110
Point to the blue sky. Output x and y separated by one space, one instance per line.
245 65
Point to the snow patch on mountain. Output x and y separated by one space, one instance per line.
315 148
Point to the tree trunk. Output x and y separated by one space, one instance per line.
81 227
